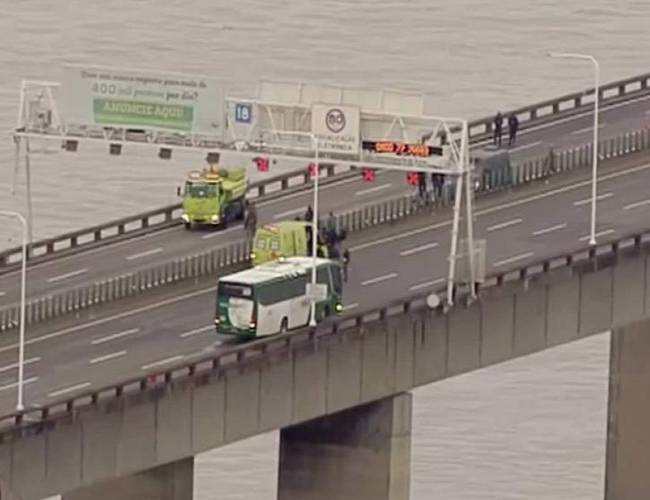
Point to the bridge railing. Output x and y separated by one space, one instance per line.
228 258
239 357
566 105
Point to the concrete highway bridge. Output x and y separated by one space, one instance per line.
126 381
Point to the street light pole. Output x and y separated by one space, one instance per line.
587 57
23 279
314 232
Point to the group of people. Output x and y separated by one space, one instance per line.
513 126
430 190
328 238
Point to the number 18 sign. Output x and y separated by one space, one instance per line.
243 112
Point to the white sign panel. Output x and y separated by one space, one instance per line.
113 97
316 292
336 128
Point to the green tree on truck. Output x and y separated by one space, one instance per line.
214 196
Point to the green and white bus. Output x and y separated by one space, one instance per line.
272 297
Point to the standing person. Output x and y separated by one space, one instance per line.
309 214
498 129
346 261
422 185
513 125
438 181
250 220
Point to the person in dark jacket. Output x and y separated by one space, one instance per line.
498 129
250 219
513 125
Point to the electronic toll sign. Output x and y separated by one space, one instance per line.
402 148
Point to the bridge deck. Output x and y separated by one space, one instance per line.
126 339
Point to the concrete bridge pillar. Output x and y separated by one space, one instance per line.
173 481
359 454
628 427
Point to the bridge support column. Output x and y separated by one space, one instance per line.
174 481
359 454
628 427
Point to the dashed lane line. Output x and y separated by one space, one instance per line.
12 385
379 279
550 229
600 233
71 274
65 390
637 204
427 284
421 248
515 258
115 336
153 251
15 365
503 225
107 357
585 201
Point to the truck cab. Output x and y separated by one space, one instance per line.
214 196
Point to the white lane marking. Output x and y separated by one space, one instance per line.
288 213
15 365
196 331
107 357
67 275
373 189
427 284
161 362
509 260
108 319
219 233
525 146
550 229
588 129
65 390
637 204
153 251
415 250
600 233
379 279
15 384
2 294
603 196
354 305
114 336
504 224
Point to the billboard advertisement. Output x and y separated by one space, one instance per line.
336 128
114 97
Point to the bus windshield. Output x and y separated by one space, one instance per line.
200 190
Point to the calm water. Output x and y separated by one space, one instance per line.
533 428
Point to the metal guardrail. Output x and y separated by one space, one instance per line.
569 104
228 257
243 355
479 130
159 218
